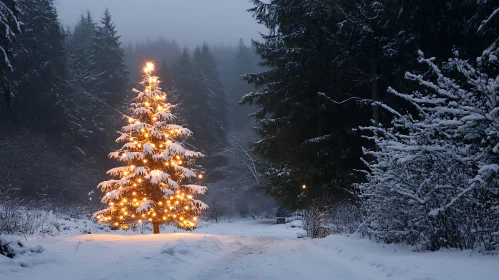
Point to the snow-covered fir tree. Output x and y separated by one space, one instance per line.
39 79
435 176
80 53
108 60
9 12
153 184
11 25
202 99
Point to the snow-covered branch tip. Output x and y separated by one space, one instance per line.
361 100
357 99
485 22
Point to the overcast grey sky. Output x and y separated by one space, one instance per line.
190 22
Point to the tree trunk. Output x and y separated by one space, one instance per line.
155 227
374 91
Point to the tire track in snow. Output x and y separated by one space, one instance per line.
230 265
272 258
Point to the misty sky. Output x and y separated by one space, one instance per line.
190 22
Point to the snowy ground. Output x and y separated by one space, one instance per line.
242 250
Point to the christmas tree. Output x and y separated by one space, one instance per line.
152 186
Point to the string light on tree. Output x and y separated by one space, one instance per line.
155 176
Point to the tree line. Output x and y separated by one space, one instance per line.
59 102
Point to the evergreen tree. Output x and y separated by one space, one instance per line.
108 61
84 72
188 91
39 79
9 13
152 186
97 77
215 105
201 95
205 61
81 101
245 61
304 140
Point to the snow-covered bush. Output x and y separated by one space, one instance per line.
15 219
315 220
433 176
345 217
222 205
18 220
12 248
324 217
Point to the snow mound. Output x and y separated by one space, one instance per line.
15 254
296 224
301 234
13 248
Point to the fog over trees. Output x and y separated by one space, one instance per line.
189 22
70 88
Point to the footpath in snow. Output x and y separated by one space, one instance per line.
257 249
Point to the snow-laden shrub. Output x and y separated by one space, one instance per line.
13 248
315 221
345 217
15 219
295 224
18 220
434 178
222 205
324 217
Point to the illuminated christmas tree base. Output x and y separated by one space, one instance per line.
152 186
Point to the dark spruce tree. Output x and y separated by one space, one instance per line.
191 95
216 105
39 79
9 13
108 61
110 89
98 78
245 61
201 97
304 141
80 52
207 65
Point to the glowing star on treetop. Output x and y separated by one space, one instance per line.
153 185
149 68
